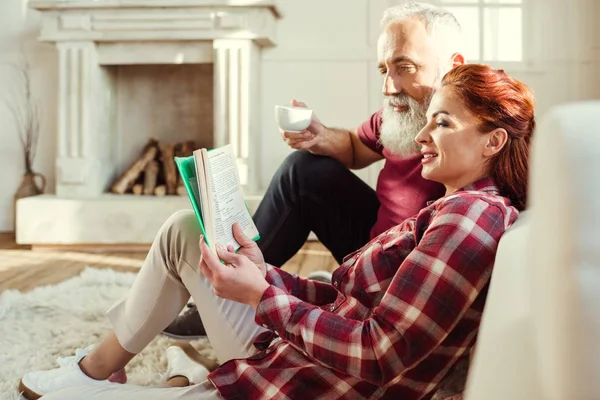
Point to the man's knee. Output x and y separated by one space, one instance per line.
303 165
297 158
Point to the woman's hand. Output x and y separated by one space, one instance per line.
238 279
249 248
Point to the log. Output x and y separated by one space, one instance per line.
169 167
137 189
150 177
128 179
160 190
184 149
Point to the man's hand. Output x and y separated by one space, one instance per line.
308 138
323 141
239 279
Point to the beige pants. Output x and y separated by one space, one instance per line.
168 277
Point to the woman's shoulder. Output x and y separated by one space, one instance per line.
476 205
466 197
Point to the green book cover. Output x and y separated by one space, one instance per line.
187 170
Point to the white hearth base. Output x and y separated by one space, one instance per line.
104 220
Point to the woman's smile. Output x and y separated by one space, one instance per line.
428 157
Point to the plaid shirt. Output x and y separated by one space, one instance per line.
399 314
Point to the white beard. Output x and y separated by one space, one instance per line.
399 129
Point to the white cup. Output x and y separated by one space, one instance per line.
293 119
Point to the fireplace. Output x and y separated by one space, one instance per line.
131 70
169 103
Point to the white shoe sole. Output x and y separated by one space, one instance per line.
193 354
28 393
180 337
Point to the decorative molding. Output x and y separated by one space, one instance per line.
144 23
171 20
236 120
152 21
230 20
71 171
132 53
75 22
76 61
61 5
81 121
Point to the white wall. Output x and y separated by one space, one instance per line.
325 57
18 30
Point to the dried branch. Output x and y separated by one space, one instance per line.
26 111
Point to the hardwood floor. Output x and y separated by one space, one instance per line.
24 269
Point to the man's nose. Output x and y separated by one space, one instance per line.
390 87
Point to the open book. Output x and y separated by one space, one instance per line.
213 185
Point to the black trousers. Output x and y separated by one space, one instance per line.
319 194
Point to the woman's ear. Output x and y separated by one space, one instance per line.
496 140
457 59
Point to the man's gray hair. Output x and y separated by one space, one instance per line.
441 24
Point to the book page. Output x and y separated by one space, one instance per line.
228 198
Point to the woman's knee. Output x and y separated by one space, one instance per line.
180 225
182 220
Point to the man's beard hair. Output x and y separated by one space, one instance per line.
399 129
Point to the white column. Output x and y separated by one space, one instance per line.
84 123
236 105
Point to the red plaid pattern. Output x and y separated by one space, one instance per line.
400 312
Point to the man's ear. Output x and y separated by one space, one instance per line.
457 59
496 140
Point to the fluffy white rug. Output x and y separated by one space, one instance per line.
52 321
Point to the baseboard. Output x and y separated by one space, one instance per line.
94 248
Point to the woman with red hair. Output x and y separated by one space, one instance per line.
400 312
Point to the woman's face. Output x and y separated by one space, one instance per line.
454 152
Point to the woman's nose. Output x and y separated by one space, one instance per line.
423 136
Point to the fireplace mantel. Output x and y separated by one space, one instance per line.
93 34
147 20
84 4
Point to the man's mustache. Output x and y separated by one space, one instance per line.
398 100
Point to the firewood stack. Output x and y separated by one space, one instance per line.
154 173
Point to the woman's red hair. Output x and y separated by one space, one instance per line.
499 101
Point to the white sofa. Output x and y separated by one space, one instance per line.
540 333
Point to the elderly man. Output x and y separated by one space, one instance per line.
314 189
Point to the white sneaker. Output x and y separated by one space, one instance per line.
186 362
35 384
